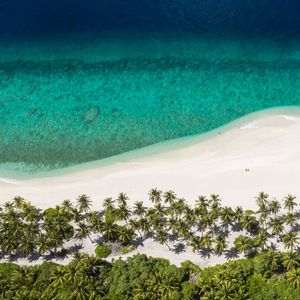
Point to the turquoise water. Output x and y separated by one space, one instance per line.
65 103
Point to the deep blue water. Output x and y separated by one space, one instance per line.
84 80
246 17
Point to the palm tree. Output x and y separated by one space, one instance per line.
125 235
110 230
195 242
58 277
213 215
8 205
263 208
214 201
42 243
276 224
290 240
79 293
274 207
82 231
189 216
221 244
95 222
155 195
160 210
226 215
77 215
162 237
293 278
274 259
227 291
183 229
122 199
290 219
207 241
84 203
177 208
108 204
290 261
243 244
143 290
139 209
262 199
168 286
204 223
169 197
28 246
67 205
135 225
144 225
289 202
18 202
207 286
238 214
249 222
261 239
202 205
123 212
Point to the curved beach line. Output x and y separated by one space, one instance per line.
290 113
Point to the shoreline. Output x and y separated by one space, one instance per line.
9 174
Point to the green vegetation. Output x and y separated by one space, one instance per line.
207 227
127 249
264 277
102 251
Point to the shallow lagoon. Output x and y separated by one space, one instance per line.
84 101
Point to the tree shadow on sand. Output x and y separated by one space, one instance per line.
205 252
231 253
173 237
236 227
179 248
63 253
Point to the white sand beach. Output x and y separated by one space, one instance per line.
257 153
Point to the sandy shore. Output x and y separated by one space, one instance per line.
267 144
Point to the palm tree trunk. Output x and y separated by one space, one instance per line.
90 239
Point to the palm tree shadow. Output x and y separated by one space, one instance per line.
273 246
34 257
231 253
205 252
15 257
74 248
138 242
63 253
179 248
296 228
173 237
216 229
99 240
149 235
236 227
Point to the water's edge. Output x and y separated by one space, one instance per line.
161 147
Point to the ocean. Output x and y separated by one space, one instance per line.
84 80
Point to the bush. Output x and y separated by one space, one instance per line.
125 250
190 267
102 251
